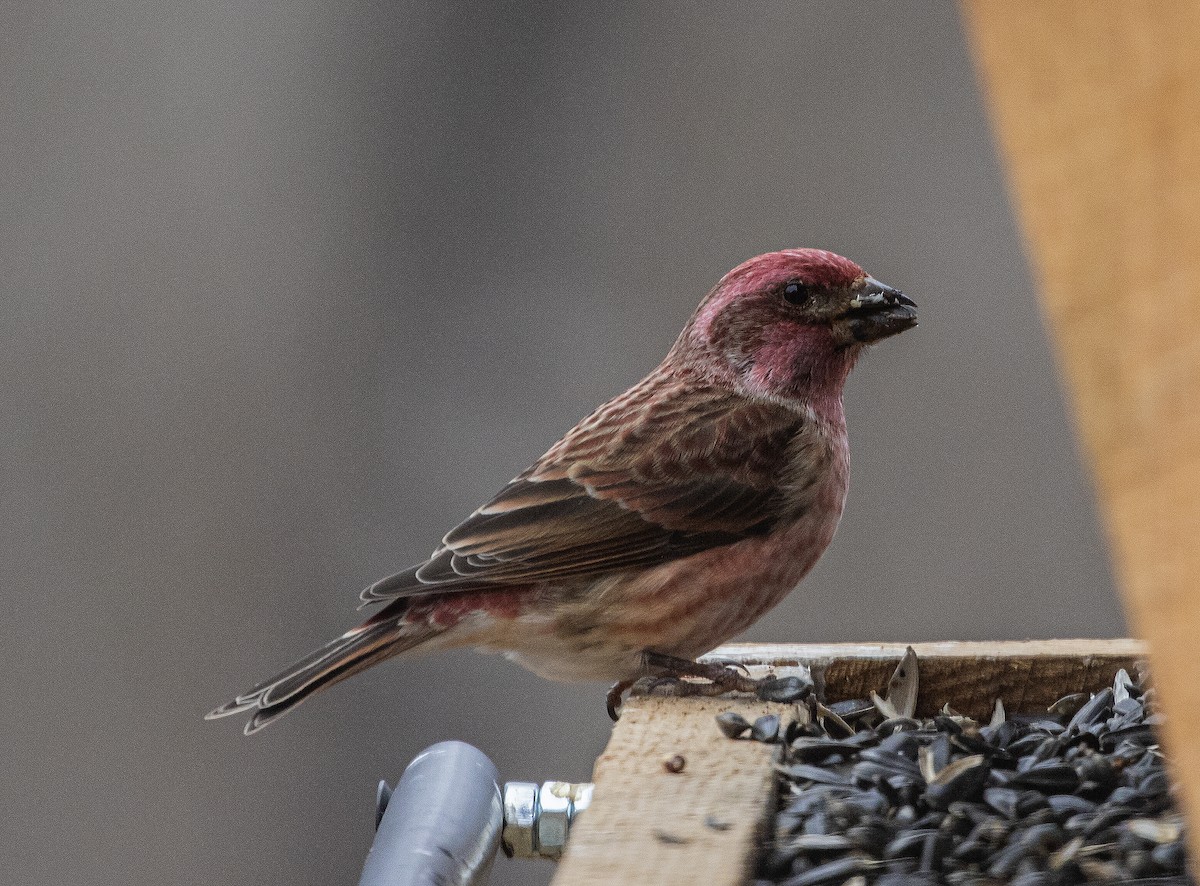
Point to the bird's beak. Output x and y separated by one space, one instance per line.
877 311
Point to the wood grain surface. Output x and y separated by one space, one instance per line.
648 825
1096 108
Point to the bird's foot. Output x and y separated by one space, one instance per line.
666 675
678 687
709 679
719 678
720 673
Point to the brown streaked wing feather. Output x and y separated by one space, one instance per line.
685 470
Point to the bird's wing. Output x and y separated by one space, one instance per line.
664 471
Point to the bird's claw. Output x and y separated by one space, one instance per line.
613 699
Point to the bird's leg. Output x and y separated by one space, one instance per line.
672 667
666 671
669 670
722 679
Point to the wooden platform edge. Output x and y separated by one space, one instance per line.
1027 675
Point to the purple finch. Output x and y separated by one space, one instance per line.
667 521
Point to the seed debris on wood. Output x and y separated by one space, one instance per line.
674 763
669 839
872 795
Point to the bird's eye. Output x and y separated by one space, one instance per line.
795 292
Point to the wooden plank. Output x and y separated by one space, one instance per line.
646 825
1097 109
1027 675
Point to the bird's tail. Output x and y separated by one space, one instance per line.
390 632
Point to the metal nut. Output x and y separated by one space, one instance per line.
554 821
520 817
537 820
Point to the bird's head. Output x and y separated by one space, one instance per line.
792 323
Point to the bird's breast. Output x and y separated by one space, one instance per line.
596 627
688 606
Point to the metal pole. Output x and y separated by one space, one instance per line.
442 823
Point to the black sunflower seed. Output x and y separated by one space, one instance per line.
1077 794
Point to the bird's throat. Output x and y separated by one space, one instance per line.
800 363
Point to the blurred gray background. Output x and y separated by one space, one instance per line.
289 288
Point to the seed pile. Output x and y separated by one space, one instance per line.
872 795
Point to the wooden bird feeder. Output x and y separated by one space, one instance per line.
705 824
1096 108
